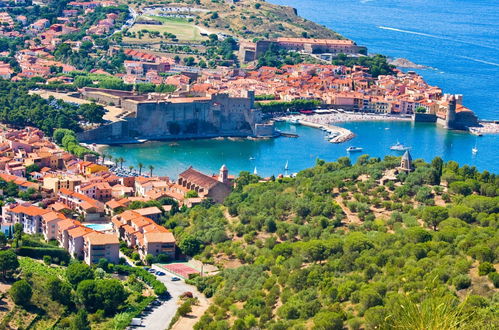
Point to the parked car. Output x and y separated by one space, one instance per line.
151 270
160 273
156 303
174 279
147 268
136 322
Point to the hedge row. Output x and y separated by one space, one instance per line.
40 252
151 280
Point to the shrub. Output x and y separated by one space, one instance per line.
462 282
40 252
77 272
47 260
494 278
21 292
485 268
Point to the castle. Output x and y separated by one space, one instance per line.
156 118
251 51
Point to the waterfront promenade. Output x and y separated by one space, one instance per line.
325 121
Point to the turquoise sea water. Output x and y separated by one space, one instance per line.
458 38
270 156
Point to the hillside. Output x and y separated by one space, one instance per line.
333 247
249 19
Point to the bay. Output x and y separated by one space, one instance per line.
458 39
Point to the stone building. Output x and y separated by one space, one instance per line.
178 118
251 51
206 186
406 163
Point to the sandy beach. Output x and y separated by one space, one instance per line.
325 119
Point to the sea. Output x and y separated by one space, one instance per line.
457 39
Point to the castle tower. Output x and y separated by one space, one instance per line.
223 175
451 112
406 162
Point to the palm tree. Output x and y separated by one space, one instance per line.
120 160
103 156
140 168
130 167
150 170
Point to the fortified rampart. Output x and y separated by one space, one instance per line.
181 118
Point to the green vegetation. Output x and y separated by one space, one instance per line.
179 28
67 139
377 64
277 57
284 106
334 248
76 297
21 109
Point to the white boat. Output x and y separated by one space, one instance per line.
354 149
255 172
399 147
293 121
252 158
474 150
286 167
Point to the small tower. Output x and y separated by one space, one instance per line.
451 112
223 175
406 162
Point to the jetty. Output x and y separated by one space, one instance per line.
343 133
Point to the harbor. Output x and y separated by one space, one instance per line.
269 156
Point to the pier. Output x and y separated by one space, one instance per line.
344 134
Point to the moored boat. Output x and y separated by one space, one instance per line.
354 149
399 147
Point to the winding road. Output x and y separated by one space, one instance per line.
160 317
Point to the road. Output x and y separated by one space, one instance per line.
160 317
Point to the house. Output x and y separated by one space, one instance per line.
156 243
62 231
153 213
89 208
100 191
98 246
144 234
50 222
75 240
28 215
57 182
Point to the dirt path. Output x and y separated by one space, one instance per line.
351 218
197 311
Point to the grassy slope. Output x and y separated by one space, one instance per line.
245 21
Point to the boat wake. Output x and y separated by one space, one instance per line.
479 61
435 37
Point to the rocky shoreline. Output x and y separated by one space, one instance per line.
406 64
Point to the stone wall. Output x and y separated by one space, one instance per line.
424 118
163 119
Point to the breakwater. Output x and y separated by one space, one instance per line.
343 133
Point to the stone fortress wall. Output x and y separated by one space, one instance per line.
178 118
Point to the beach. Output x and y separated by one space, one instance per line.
343 117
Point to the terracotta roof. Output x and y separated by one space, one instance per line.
159 237
79 231
148 211
96 238
29 210
198 178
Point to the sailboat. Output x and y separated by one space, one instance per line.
286 167
255 172
475 149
